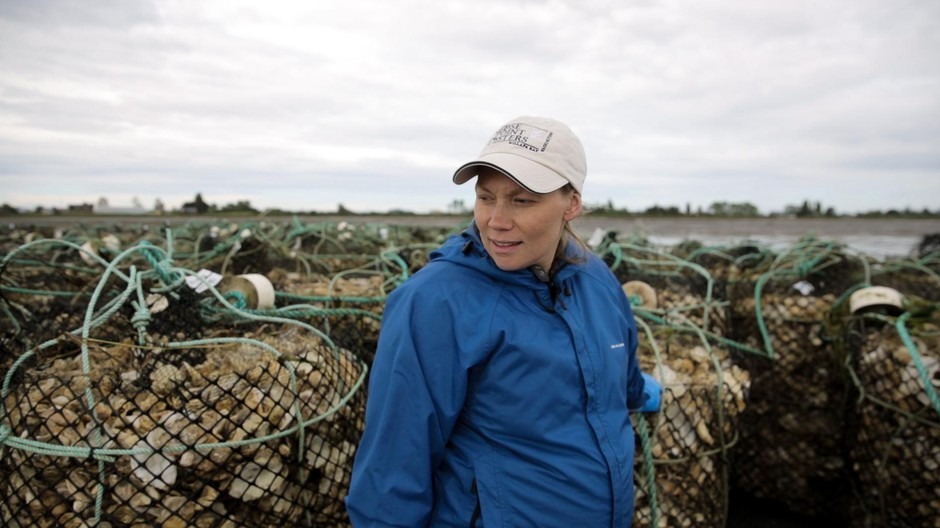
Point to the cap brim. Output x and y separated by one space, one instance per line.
532 176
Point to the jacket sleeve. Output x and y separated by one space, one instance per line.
637 393
417 388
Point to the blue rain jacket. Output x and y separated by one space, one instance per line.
499 400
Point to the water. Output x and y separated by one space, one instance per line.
876 237
879 238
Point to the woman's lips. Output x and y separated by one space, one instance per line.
504 247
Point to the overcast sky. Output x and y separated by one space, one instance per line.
304 105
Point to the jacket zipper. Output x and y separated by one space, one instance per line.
476 510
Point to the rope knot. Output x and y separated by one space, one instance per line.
161 265
141 317
237 299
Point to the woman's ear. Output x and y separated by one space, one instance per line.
574 207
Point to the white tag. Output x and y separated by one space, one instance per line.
597 237
203 279
804 287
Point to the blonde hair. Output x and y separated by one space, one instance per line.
568 233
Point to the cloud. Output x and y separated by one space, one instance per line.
377 102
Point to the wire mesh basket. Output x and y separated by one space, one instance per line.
147 405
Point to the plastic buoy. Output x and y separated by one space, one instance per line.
877 297
256 288
643 291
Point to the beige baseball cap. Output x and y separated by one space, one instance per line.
539 153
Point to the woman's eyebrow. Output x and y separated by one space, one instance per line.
514 192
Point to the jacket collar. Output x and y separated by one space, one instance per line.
466 249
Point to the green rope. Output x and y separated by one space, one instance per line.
237 299
391 256
109 454
807 257
51 242
331 298
724 444
649 467
716 251
644 432
901 326
656 318
159 261
314 311
42 293
141 318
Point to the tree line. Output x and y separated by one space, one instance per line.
721 209
807 209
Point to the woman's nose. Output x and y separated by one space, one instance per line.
501 217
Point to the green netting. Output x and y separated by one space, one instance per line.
909 276
682 462
792 433
132 399
150 401
894 433
683 289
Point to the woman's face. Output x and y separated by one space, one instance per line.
520 228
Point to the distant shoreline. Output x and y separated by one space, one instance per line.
731 226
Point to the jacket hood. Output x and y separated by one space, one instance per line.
466 249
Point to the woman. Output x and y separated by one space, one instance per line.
505 368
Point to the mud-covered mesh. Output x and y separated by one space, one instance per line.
791 446
229 249
928 249
908 277
46 287
229 432
724 263
347 306
45 320
363 289
682 456
682 291
259 247
894 433
119 426
163 404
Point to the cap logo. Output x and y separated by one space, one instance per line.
540 154
521 135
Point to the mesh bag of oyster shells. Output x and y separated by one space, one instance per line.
912 276
347 306
258 247
791 446
669 286
894 434
150 413
724 263
44 282
681 468
928 250
330 248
